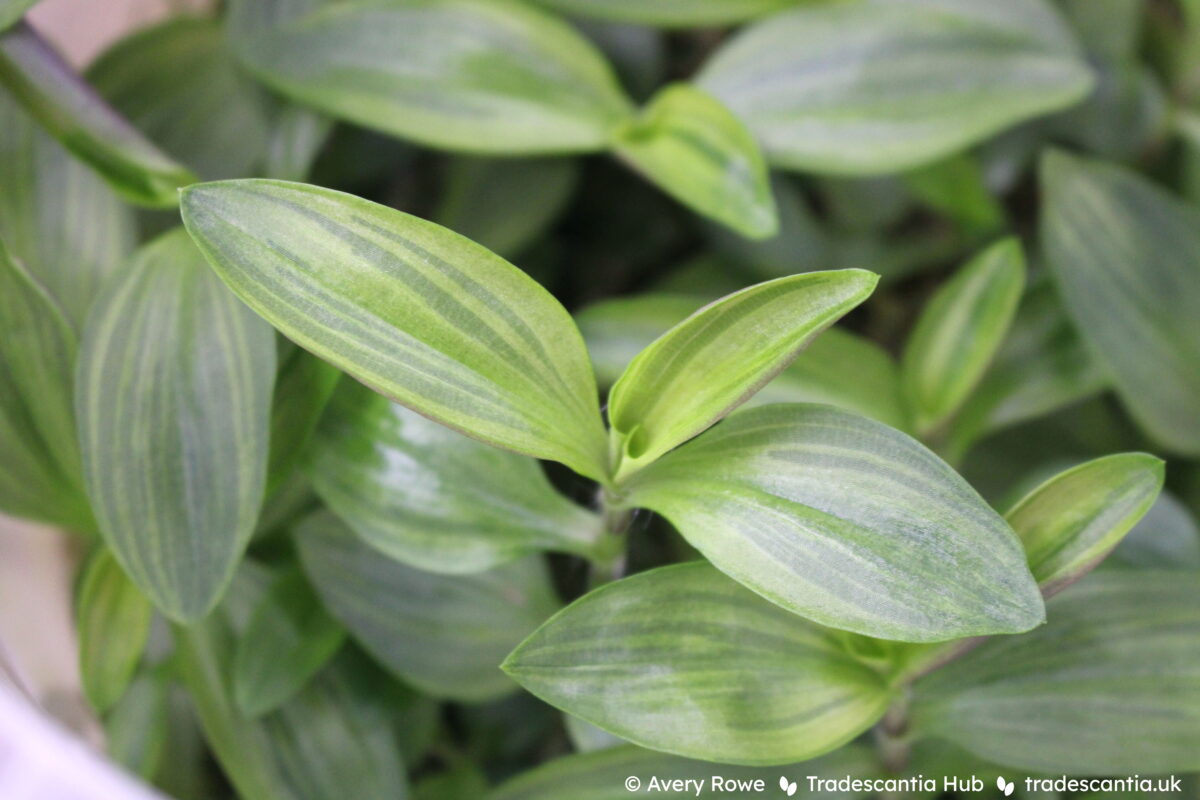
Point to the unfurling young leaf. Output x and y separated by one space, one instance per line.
1072 521
1127 255
697 151
709 364
444 634
959 331
433 498
413 310
173 394
77 117
113 619
835 518
702 668
470 75
875 86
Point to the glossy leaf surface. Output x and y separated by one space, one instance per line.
874 86
960 330
445 635
847 522
1127 256
685 660
433 498
1111 685
1072 521
172 398
471 75
77 117
698 152
413 310
712 362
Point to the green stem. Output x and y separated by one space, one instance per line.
609 555
891 736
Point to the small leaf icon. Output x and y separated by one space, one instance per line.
1004 786
790 788
783 783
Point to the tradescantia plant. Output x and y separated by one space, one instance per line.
582 398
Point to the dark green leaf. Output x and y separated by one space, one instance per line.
178 84
173 398
956 187
712 362
113 620
136 730
415 311
693 148
683 660
473 75
445 635
287 641
1111 686
1072 521
874 86
847 522
1166 538
1127 255
85 125
433 498
302 390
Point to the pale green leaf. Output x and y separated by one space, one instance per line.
58 216
1111 685
335 739
12 10
601 776
40 474
505 204
671 13
712 362
695 150
433 498
445 635
1127 258
959 331
874 86
288 640
70 110
113 620
617 330
178 84
1168 537
682 659
417 312
172 397
1071 522
294 142
847 522
302 390
471 75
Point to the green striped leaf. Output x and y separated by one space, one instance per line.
959 331
1127 256
709 364
70 110
693 148
472 75
1073 520
874 86
1110 686
616 330
671 13
57 216
12 10
433 498
417 312
505 204
336 736
179 85
172 398
113 620
40 475
684 660
289 638
847 522
601 776
445 635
